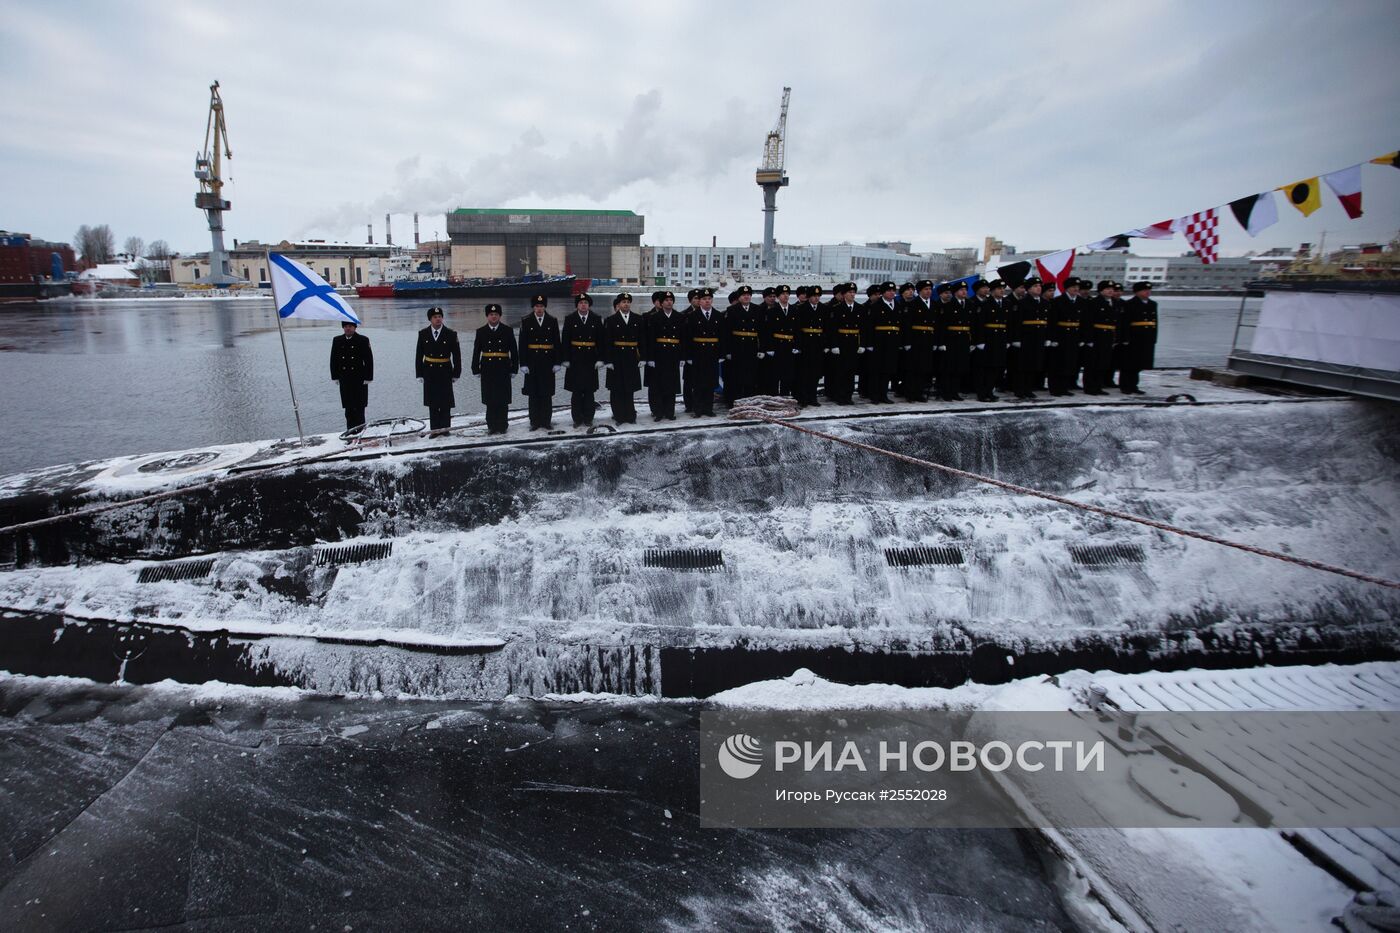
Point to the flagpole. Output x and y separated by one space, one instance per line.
267 258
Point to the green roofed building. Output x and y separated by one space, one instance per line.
514 241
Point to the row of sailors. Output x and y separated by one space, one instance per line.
908 340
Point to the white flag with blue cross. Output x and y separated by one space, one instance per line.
300 292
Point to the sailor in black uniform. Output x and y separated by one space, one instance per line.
704 348
437 360
495 359
663 336
916 363
1097 335
993 316
812 347
1137 337
352 368
780 345
692 299
955 342
845 343
884 343
539 361
623 336
1030 322
581 348
1062 357
743 349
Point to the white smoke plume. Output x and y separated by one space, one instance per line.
560 164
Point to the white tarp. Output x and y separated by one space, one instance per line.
1341 329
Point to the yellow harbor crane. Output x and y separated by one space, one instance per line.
208 166
771 176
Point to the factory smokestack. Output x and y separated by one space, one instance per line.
369 232
388 232
415 228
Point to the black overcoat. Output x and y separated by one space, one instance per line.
437 363
352 365
495 360
539 354
581 345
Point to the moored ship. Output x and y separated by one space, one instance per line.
553 286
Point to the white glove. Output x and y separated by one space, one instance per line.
940 349
860 349
599 365
907 347
835 351
1051 343
524 370
770 353
557 368
729 356
796 352
1016 343
651 363
762 355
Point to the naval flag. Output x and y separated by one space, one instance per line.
1055 268
1118 241
1158 231
1256 213
1303 195
1346 185
1390 158
299 292
1202 232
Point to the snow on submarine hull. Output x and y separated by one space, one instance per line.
690 557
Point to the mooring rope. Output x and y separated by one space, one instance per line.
775 410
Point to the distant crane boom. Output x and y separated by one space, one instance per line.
771 176
208 169
775 147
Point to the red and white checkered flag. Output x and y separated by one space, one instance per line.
1202 233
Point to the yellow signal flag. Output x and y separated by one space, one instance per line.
1390 158
1303 195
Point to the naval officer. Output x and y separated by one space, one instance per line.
539 361
623 335
352 368
581 346
664 332
437 361
1137 337
495 360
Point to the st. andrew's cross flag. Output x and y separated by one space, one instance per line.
300 292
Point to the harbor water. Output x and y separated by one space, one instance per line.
88 379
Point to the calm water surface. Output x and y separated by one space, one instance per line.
98 378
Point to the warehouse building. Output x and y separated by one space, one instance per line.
495 242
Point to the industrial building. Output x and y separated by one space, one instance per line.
495 242
345 264
687 266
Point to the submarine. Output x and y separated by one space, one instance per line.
681 559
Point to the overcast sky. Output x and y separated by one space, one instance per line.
1048 125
